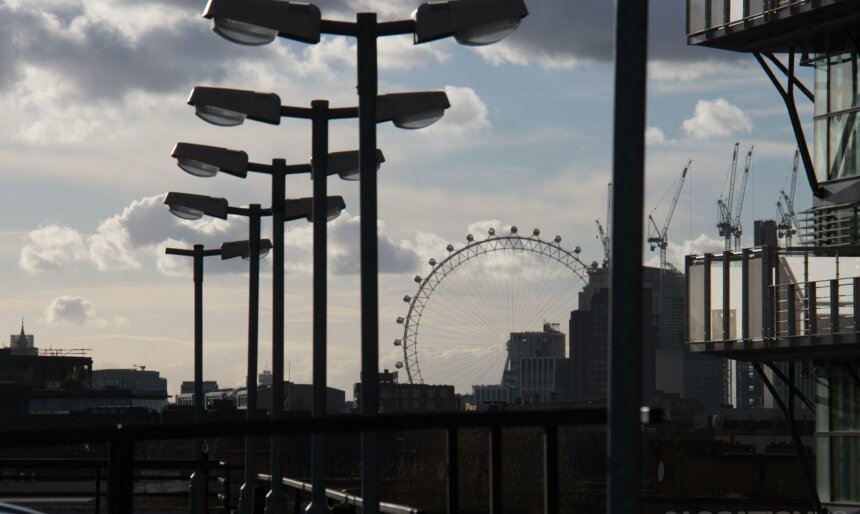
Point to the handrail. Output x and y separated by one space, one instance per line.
769 7
343 497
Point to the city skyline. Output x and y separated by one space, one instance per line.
95 93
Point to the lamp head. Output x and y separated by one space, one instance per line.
242 249
471 22
411 110
345 164
230 107
192 207
207 161
303 208
258 22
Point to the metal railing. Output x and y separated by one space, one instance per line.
832 226
122 439
707 15
825 307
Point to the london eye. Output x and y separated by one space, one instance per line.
472 300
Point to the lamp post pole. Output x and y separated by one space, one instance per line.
319 160
367 91
276 500
199 483
246 498
625 293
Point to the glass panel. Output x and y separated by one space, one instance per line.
845 468
696 296
755 7
844 154
844 405
736 10
821 87
822 471
843 82
718 13
756 298
820 150
696 16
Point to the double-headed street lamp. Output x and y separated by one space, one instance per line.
191 206
199 484
208 161
257 22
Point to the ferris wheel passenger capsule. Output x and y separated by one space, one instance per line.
397 342
432 262
514 229
407 299
450 248
594 265
536 232
577 250
470 237
399 320
417 279
399 365
492 231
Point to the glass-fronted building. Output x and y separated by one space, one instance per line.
796 314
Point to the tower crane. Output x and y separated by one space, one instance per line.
737 229
605 236
658 238
724 204
787 217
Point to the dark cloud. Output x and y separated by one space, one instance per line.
584 30
98 60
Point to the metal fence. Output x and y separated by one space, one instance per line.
121 466
705 15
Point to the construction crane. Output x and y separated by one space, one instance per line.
724 204
788 223
659 238
605 236
737 228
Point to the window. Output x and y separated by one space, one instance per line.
837 102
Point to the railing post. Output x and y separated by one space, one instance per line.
121 475
791 329
98 506
834 307
811 309
856 306
496 470
727 258
550 469
707 293
453 472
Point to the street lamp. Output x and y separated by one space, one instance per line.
472 22
191 206
199 484
208 161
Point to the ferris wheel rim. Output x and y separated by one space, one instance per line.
418 302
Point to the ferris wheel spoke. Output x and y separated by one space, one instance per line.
460 369
496 362
559 291
468 314
464 326
485 300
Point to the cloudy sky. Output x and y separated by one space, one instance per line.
93 94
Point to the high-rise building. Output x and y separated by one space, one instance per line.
667 365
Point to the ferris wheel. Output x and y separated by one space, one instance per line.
470 303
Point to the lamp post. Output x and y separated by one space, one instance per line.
190 206
208 161
199 483
471 22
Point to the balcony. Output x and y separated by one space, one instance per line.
782 303
768 25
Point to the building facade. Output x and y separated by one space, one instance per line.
800 306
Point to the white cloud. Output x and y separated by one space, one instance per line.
654 136
716 118
51 247
675 253
74 310
468 114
